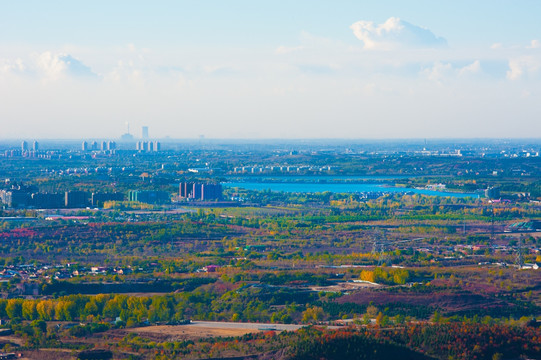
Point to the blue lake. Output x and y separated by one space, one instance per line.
311 187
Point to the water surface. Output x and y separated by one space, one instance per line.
315 187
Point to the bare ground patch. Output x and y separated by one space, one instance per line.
187 332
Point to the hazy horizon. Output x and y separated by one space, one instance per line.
263 139
267 70
427 140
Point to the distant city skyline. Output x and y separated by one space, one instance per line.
262 70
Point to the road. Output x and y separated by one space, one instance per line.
235 325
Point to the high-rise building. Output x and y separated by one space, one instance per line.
35 146
84 146
24 146
111 145
15 197
200 191
94 145
75 199
103 146
144 132
127 136
149 197
145 146
48 200
185 189
196 192
211 192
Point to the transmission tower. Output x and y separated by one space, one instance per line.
519 256
379 247
384 258
464 220
492 239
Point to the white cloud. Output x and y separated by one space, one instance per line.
394 33
534 44
125 70
16 66
50 66
440 71
75 67
522 66
473 68
306 83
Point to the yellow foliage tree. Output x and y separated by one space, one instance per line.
367 275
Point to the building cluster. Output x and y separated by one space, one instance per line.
25 148
488 153
149 196
20 196
94 146
148 146
444 153
523 226
29 197
142 146
371 195
29 154
29 273
26 151
436 187
281 169
200 191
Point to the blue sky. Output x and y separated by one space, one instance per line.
255 22
266 69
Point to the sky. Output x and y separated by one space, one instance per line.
270 69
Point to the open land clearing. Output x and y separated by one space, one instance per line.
205 329
346 286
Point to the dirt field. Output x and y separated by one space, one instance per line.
184 332
345 286
48 354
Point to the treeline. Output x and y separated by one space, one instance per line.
214 302
400 312
165 286
460 341
386 276
464 341
314 344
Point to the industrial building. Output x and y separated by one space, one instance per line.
76 199
149 197
200 191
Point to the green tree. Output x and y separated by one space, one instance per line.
29 311
14 308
